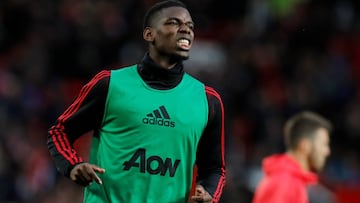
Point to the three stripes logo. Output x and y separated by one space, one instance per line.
159 117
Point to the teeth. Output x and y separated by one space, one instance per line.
184 42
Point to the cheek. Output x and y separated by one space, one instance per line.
317 159
317 153
324 150
164 40
166 35
327 150
321 154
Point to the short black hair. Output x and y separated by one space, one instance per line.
303 125
159 6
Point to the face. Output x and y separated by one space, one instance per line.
320 150
171 34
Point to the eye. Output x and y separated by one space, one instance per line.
191 26
172 22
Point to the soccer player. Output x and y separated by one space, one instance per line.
287 175
152 124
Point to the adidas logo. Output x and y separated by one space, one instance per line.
159 117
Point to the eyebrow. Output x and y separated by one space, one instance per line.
179 20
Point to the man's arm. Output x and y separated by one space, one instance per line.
210 154
83 115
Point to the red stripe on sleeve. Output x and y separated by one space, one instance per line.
82 95
60 149
221 183
59 136
64 144
219 189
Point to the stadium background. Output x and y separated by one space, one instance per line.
267 58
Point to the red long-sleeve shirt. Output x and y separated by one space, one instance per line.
284 181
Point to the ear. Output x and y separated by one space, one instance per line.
148 34
305 145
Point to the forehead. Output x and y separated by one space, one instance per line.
174 12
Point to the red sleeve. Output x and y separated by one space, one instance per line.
83 115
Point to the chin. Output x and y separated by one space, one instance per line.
184 57
179 57
317 169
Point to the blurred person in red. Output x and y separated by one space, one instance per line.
152 123
287 175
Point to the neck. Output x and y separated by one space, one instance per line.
299 158
164 61
159 77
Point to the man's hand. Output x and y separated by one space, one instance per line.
84 173
201 195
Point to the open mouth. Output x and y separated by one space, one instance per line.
183 43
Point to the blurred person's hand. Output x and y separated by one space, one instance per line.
84 174
201 195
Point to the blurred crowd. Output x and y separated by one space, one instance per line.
267 58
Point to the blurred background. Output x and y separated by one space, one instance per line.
267 58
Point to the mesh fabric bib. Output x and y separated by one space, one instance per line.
148 139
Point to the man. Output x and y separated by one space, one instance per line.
152 123
287 175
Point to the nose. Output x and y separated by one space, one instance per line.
184 28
